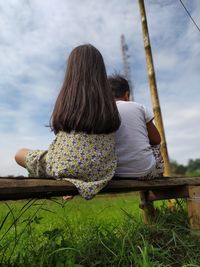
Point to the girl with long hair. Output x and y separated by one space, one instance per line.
84 120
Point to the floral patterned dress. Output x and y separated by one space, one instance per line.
86 160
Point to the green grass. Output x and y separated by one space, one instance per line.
106 231
56 211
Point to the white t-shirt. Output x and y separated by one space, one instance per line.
134 154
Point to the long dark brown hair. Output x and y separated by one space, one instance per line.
85 102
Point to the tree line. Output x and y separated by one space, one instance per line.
192 168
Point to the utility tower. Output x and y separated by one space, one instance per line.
126 66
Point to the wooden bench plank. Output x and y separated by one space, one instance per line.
166 193
22 187
15 188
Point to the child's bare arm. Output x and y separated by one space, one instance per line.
153 134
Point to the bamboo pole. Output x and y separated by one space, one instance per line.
153 88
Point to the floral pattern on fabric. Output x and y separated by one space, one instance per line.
159 167
87 161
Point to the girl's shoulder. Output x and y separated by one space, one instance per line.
131 108
84 136
130 105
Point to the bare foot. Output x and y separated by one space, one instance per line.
67 197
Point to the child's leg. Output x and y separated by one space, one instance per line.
159 160
159 168
33 160
21 155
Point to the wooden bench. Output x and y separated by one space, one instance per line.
150 191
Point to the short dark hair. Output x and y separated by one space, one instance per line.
85 102
119 85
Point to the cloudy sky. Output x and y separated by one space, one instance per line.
37 36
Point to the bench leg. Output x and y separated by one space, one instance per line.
193 205
148 207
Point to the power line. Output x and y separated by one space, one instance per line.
190 15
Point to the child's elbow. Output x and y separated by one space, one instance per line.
156 140
153 134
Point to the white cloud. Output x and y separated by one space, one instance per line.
10 144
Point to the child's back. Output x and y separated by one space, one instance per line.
137 139
135 156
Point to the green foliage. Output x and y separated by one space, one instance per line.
192 168
102 232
